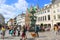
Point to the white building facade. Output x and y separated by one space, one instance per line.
20 19
49 15
10 22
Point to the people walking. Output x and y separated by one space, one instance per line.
56 28
11 31
3 31
55 31
14 31
42 27
24 33
36 30
18 29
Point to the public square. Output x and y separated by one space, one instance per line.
49 35
19 17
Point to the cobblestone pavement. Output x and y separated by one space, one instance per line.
42 36
47 36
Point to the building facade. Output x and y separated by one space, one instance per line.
15 23
11 22
2 19
20 19
50 14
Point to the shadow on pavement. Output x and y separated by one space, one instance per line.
7 38
29 39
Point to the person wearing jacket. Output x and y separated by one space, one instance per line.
36 30
3 31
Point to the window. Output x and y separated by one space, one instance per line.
48 17
54 11
45 25
58 16
38 19
45 17
48 10
54 17
45 11
41 18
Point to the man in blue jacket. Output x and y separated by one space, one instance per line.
36 30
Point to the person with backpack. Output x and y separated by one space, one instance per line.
11 31
36 30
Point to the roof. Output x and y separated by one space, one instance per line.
55 1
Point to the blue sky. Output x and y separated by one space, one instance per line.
11 8
41 3
9 2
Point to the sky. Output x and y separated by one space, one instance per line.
11 8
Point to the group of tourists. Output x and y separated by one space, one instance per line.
34 34
11 30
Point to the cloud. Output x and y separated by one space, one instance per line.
47 4
21 5
10 11
2 1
